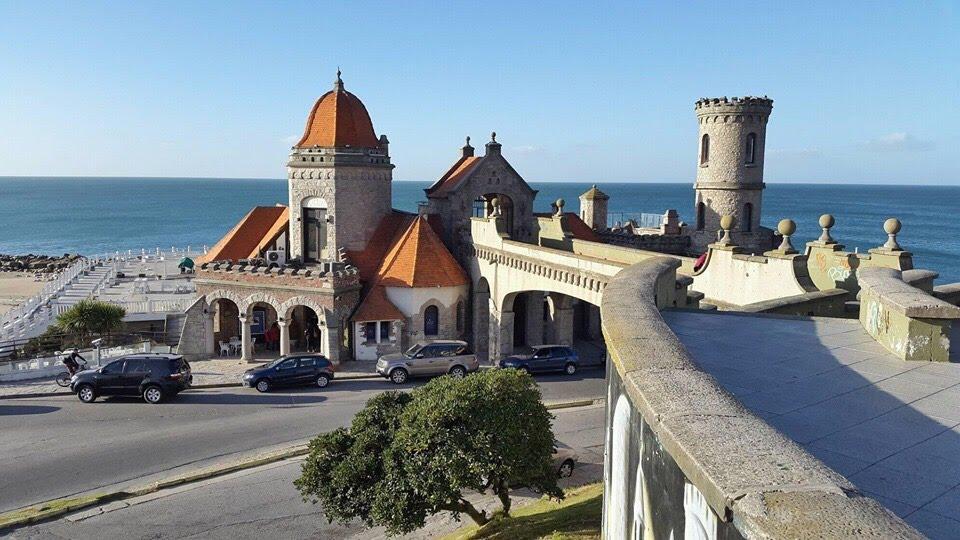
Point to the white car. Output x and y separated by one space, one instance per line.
564 459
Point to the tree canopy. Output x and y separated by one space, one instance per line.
91 317
408 456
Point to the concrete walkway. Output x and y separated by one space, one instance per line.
206 373
892 427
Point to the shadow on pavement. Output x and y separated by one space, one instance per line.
15 410
254 398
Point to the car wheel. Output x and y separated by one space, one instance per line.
263 385
86 393
152 395
566 469
458 372
399 376
570 368
323 380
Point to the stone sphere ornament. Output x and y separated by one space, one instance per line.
892 226
787 227
826 223
726 222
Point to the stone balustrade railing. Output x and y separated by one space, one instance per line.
683 454
906 320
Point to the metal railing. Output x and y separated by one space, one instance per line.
640 219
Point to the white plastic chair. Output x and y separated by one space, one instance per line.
225 348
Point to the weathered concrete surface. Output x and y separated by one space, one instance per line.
729 454
907 321
891 427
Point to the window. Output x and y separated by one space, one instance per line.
370 332
308 362
384 331
479 207
705 150
113 367
750 151
701 215
748 217
136 366
289 363
430 351
431 321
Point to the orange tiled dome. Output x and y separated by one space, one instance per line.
339 119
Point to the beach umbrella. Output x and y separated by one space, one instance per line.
186 262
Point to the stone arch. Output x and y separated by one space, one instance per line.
616 513
258 298
286 308
218 294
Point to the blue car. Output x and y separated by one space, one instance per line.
545 358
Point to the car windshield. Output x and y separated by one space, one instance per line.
412 351
276 362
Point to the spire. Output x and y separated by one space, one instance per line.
338 84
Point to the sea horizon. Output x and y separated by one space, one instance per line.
101 215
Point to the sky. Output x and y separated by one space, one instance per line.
864 92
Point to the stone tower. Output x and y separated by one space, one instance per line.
593 208
339 176
730 170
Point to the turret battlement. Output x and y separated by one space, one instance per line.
746 104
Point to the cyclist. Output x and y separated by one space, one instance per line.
73 362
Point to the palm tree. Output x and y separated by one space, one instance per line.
91 317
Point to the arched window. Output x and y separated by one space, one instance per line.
705 149
314 228
701 215
748 217
461 315
751 150
431 321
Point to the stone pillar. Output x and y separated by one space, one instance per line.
534 310
209 340
563 318
330 343
481 325
246 346
284 337
501 334
593 313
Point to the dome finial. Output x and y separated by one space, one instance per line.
338 84
493 136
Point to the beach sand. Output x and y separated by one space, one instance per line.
15 287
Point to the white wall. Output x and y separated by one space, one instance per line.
411 300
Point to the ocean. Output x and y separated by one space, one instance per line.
103 215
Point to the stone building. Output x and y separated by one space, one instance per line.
338 270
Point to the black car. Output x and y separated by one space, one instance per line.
155 377
545 358
291 370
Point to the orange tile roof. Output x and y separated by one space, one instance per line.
460 170
419 259
377 307
387 232
339 119
259 228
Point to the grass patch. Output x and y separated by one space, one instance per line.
577 517
46 510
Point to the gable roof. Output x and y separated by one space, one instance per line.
386 234
452 178
418 258
577 227
258 229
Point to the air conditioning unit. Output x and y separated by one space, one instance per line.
277 257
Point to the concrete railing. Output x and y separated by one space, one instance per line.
684 455
907 321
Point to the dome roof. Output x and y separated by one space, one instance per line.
339 119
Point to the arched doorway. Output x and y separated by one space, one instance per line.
306 329
226 327
264 330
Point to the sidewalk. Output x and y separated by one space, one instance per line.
206 373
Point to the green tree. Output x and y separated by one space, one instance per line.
408 456
88 317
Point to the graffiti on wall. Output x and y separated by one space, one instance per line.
840 270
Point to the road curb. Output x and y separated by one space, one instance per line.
194 387
56 508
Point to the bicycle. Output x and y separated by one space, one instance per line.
63 378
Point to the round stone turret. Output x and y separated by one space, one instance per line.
731 139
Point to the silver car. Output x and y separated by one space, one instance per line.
428 359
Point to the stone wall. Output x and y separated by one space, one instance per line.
908 322
685 459
661 243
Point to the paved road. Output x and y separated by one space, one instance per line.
263 503
55 447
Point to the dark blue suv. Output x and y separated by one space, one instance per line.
545 358
291 370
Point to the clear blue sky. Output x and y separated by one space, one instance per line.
580 91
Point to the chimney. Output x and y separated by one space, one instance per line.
467 150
